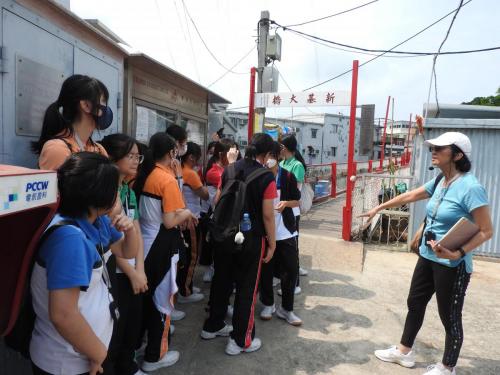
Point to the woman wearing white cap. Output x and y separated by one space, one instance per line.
454 194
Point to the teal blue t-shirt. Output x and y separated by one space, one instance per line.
462 197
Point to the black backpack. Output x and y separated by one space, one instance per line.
228 212
18 339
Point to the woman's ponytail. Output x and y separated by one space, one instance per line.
53 124
299 157
144 169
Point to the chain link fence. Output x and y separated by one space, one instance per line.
391 226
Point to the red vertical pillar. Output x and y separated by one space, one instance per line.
370 166
333 189
347 213
407 159
251 104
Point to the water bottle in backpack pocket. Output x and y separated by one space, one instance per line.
246 223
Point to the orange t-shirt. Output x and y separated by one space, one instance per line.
55 151
191 178
161 184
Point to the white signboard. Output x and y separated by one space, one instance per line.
22 192
303 99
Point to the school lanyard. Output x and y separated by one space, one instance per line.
443 194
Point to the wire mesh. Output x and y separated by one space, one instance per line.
390 226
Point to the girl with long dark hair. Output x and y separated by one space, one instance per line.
131 281
286 259
243 266
294 163
193 191
161 212
69 122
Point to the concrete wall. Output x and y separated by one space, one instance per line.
43 44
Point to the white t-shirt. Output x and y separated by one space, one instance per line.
282 233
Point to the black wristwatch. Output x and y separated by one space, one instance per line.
462 251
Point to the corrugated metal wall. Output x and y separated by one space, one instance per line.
485 138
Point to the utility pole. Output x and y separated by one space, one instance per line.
392 127
263 32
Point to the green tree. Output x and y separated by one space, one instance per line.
486 100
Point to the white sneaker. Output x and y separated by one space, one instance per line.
303 272
168 359
276 281
393 355
439 369
195 297
289 316
208 275
176 315
196 289
230 311
139 372
297 291
267 312
223 332
233 349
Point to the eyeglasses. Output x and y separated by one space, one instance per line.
437 148
136 157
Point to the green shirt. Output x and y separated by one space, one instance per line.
129 202
295 167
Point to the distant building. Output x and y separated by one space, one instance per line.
323 138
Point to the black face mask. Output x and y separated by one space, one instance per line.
106 119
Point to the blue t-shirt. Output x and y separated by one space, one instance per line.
463 196
70 253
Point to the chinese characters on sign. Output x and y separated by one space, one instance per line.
303 99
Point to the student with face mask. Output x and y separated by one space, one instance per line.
180 135
286 254
194 192
131 280
243 265
162 211
69 122
294 163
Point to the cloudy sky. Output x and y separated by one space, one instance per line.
162 29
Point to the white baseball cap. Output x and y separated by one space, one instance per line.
452 138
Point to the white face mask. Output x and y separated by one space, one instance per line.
271 163
183 150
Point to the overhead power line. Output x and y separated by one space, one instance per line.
392 51
234 66
331 15
382 54
439 52
205 44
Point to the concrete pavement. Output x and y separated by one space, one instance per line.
352 303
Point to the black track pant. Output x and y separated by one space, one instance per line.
297 222
206 247
450 285
287 256
157 326
126 333
244 268
185 272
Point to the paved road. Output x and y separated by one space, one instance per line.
347 314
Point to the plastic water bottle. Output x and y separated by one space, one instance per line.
245 224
